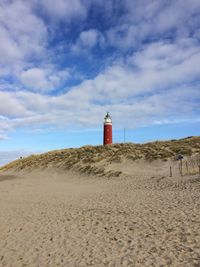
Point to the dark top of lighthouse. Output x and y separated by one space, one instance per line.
108 119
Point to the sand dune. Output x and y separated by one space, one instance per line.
98 160
136 219
102 206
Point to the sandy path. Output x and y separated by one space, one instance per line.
74 221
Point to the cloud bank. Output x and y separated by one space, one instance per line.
67 64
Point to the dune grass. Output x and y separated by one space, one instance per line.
92 159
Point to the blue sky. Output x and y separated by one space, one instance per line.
64 64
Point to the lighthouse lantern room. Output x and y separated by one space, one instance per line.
107 134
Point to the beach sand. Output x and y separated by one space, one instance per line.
138 219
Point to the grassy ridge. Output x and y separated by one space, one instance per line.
92 159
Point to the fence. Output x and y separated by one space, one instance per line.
187 166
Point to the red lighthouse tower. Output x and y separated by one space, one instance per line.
107 134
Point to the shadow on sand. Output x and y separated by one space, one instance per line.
5 177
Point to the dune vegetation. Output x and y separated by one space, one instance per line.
93 159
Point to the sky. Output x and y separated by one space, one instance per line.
64 64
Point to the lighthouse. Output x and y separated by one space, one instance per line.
107 133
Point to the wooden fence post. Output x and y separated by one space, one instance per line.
193 163
170 171
186 165
181 169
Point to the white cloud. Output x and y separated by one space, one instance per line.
164 55
152 85
43 79
63 9
87 40
22 33
150 20
144 87
156 67
9 50
10 106
5 127
23 37
3 137
35 78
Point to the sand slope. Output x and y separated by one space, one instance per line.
96 160
48 219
